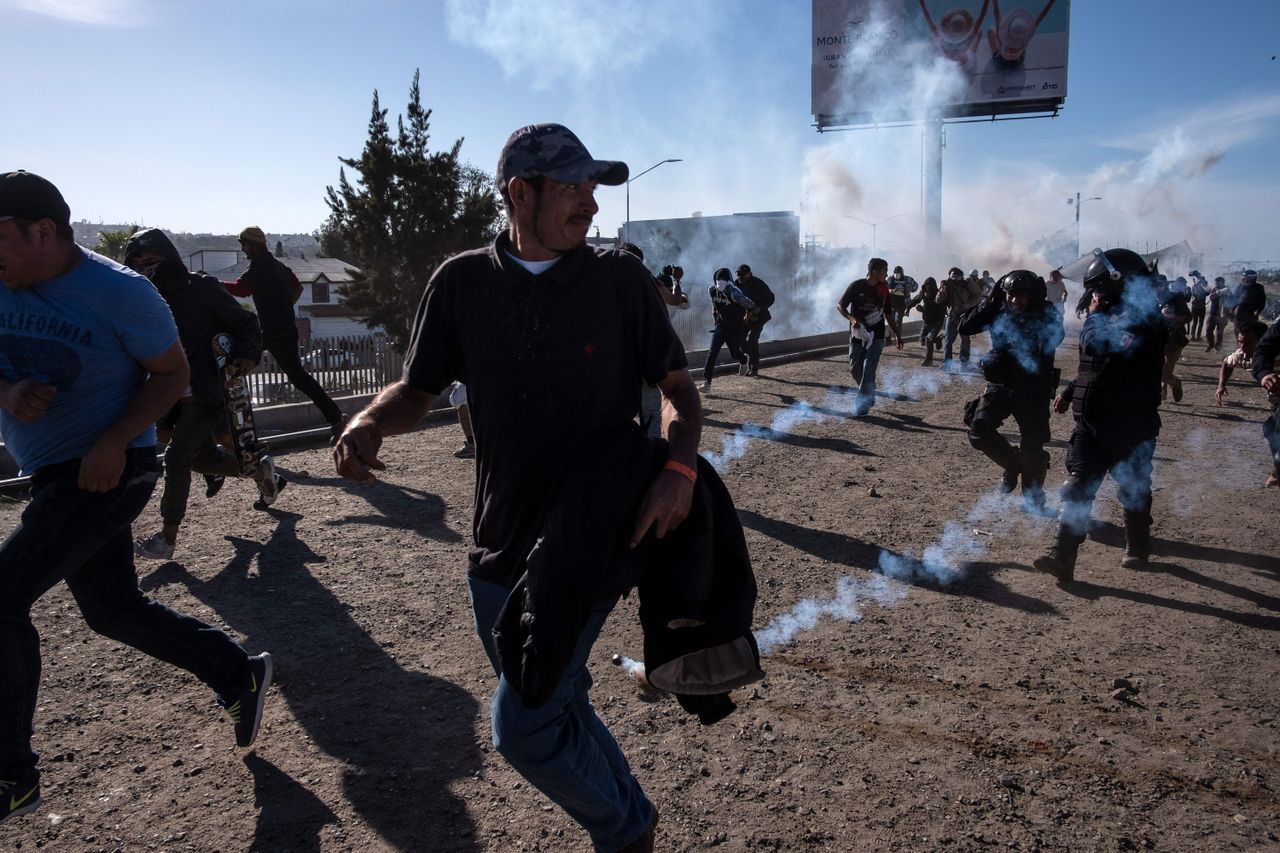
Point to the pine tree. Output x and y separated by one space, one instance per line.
411 208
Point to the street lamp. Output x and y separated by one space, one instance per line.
874 226
1079 201
626 230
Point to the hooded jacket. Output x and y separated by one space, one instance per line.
201 309
697 590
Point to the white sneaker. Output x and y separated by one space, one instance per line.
706 388
154 547
267 486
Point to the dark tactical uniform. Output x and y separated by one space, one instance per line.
1020 380
1115 398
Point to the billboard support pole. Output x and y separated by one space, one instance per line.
933 185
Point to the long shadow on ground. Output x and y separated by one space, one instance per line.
401 737
840 445
394 505
979 579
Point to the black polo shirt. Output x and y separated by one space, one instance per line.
551 363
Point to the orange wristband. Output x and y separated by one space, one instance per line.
682 469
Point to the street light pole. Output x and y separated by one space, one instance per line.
874 226
1079 201
626 229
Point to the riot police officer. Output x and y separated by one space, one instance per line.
1025 331
1115 398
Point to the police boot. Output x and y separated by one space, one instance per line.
1035 466
1060 559
1137 535
998 450
928 354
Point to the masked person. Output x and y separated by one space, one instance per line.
754 288
91 360
958 294
901 286
865 305
1199 295
1116 399
1251 298
933 317
1217 314
1025 332
729 307
202 309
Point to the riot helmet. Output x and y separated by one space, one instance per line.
1110 270
1027 282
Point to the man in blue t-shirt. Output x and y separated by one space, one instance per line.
89 359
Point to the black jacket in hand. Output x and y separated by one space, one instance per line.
697 591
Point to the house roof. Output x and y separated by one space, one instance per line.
334 270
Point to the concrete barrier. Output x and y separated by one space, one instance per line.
288 418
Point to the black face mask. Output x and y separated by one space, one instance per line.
148 269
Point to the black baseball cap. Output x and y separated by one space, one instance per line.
553 151
24 195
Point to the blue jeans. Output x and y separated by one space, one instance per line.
723 335
863 361
562 748
953 331
1271 429
85 538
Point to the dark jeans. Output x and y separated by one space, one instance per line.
285 352
723 335
1215 329
863 361
85 539
953 330
1197 320
898 307
192 448
751 344
1271 429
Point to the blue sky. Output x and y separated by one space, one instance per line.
206 117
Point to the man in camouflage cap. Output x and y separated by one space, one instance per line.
553 340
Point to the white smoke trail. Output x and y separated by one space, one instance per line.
844 605
942 563
894 381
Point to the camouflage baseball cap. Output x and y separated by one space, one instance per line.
552 150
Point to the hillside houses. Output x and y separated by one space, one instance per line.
320 310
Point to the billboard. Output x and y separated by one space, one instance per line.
910 60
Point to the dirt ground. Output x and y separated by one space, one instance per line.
970 716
